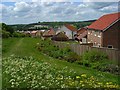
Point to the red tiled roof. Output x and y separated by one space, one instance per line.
104 21
50 32
82 35
70 27
81 30
33 32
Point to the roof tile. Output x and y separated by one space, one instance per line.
104 21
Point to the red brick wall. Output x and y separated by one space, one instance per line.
94 37
111 37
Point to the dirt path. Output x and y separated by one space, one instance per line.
16 47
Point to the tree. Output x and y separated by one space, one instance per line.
7 28
7 31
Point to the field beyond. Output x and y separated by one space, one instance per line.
14 48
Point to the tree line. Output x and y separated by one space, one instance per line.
8 31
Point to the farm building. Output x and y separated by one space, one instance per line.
105 31
69 31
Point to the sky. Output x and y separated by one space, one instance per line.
32 11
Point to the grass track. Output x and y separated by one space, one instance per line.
26 47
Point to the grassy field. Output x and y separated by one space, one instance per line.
27 47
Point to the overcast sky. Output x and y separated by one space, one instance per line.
31 11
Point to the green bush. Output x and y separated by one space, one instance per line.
17 34
109 67
72 57
5 34
93 59
63 54
98 60
94 56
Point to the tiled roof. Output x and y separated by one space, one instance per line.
81 30
70 27
50 32
104 21
81 33
33 32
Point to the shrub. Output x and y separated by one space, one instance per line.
98 60
72 57
94 56
17 34
48 48
5 34
107 67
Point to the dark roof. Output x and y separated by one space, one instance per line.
104 21
60 37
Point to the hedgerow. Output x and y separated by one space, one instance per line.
63 54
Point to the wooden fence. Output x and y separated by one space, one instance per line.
80 49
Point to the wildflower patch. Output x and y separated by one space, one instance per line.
27 72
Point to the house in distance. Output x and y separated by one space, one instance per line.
68 30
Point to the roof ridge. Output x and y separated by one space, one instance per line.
72 27
112 24
104 21
111 13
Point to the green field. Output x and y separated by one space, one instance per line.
27 47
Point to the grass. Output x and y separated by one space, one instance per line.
27 47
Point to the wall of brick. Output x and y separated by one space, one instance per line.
94 37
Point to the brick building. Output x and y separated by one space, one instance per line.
105 32
81 35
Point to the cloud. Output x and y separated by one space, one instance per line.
30 12
98 5
60 0
50 0
37 0
16 0
22 7
109 9
101 0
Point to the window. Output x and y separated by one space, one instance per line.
110 46
99 45
99 36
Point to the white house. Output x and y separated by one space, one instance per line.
69 31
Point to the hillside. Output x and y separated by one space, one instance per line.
78 24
